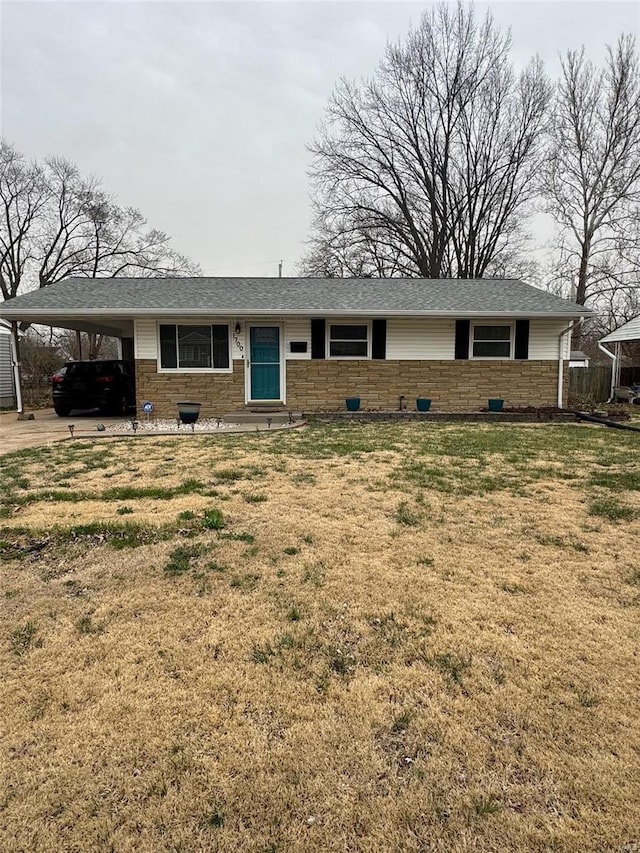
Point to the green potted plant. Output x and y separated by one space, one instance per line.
423 404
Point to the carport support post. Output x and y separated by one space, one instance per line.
15 361
79 344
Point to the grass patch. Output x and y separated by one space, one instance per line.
215 819
485 806
86 625
387 684
293 614
454 666
245 582
238 537
24 638
262 654
611 509
181 559
618 481
212 519
255 498
405 516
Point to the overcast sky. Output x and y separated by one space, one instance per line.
198 112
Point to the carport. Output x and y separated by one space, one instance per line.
43 308
630 331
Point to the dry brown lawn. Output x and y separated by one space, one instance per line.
403 638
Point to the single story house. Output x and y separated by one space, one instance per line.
308 343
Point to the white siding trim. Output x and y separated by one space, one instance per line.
544 340
145 339
408 339
297 329
414 339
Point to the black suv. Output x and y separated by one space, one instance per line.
106 385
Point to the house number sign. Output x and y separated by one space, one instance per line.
238 344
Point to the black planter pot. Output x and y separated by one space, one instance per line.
189 412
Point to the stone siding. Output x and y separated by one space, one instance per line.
323 384
218 392
451 385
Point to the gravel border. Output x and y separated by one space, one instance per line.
169 425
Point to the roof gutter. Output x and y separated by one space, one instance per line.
614 367
568 330
15 363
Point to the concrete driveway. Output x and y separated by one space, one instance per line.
45 428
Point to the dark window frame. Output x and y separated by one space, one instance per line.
182 369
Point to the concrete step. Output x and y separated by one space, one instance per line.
260 417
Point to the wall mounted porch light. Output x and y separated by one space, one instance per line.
237 328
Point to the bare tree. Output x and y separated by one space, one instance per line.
339 248
436 155
23 194
592 182
56 223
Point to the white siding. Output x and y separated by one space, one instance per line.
145 339
435 339
420 338
297 329
6 369
543 340
409 339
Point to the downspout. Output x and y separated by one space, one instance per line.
561 360
613 369
15 361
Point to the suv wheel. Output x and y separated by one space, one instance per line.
62 411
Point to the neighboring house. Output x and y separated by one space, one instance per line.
307 344
578 359
627 333
7 388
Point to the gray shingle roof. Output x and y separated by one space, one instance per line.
273 296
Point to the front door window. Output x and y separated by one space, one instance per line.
264 355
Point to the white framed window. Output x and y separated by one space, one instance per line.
348 340
193 348
491 340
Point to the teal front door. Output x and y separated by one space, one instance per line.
264 358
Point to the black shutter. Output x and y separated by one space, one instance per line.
521 349
317 338
462 338
220 347
168 346
378 339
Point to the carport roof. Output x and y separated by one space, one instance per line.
628 332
